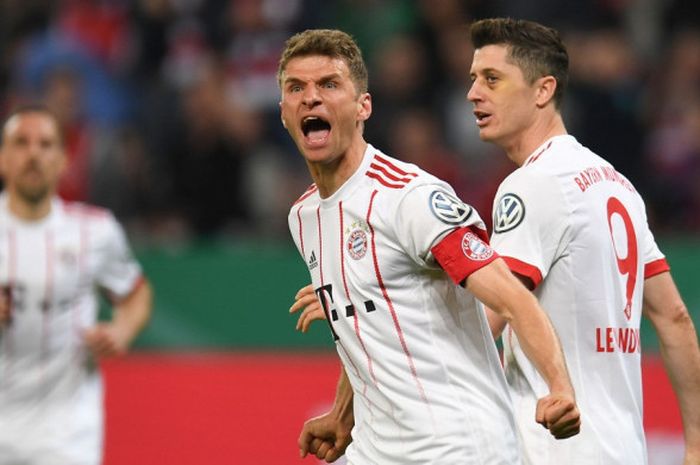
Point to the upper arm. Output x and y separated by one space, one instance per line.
118 272
425 215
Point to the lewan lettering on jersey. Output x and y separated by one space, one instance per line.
593 175
625 340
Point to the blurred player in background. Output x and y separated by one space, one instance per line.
384 241
54 256
575 230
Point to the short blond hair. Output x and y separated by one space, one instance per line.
326 42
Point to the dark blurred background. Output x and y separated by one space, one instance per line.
171 106
170 109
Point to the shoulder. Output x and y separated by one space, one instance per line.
310 191
98 221
84 212
528 180
396 179
388 173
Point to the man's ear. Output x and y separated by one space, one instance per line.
364 106
546 86
284 123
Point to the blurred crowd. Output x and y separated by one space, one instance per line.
170 107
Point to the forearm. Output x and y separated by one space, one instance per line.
510 300
684 373
132 314
679 350
343 406
678 344
540 343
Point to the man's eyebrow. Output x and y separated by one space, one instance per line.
485 71
325 78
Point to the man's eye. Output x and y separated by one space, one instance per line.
294 88
491 79
329 85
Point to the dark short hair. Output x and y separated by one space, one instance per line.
536 49
32 108
326 42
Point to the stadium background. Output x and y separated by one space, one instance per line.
171 118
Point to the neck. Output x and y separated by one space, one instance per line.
26 210
522 147
331 175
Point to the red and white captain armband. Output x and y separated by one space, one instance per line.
462 252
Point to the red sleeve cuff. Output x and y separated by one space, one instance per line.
524 269
655 267
462 252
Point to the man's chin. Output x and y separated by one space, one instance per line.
33 194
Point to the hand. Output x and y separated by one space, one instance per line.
325 437
106 340
306 299
559 414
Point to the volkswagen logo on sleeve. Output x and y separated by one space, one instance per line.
448 208
509 213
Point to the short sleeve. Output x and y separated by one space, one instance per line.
428 213
529 222
654 260
119 272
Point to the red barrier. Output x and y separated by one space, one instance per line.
247 409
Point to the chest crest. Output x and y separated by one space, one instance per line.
356 239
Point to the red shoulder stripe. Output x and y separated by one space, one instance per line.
534 159
387 174
395 168
384 181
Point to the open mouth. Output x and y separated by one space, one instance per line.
481 117
315 129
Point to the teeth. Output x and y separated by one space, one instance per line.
310 118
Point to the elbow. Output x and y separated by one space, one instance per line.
672 321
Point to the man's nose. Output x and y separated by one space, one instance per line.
474 93
311 96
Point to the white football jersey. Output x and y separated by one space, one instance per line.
50 389
578 229
428 384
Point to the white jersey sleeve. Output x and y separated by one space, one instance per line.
438 230
119 272
428 213
654 260
530 223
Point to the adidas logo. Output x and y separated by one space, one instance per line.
313 263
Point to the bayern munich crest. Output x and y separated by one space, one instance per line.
475 249
357 244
